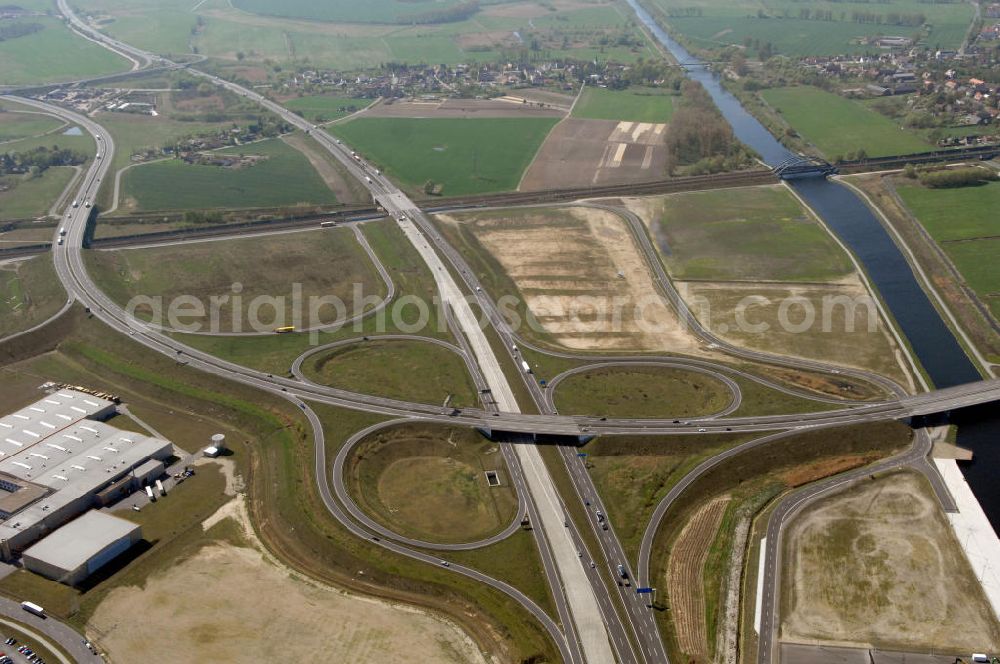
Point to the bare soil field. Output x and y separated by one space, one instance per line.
580 152
879 566
738 312
685 569
461 108
581 275
198 610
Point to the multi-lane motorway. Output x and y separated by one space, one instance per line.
593 629
71 270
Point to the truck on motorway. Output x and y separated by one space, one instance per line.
150 494
60 243
327 224
623 573
76 203
526 367
62 231
31 607
368 179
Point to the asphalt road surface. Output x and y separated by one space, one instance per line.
598 630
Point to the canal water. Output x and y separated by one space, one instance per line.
856 225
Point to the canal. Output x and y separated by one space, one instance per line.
855 224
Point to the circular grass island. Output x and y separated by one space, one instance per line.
641 392
430 483
406 369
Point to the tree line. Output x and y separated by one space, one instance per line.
35 161
15 30
698 137
459 12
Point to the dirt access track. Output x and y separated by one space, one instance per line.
462 108
580 153
877 565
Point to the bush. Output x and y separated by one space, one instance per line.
956 177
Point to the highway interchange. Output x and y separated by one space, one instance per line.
591 627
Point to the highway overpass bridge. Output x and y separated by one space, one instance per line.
520 426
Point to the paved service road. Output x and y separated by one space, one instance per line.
51 629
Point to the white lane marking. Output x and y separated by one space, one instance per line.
760 584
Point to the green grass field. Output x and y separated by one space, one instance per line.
387 368
372 11
466 156
15 125
135 133
722 24
29 293
837 125
282 33
633 474
641 392
323 262
54 54
82 142
632 105
32 197
285 178
965 224
275 353
753 234
323 108
430 483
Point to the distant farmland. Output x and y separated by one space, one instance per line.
285 177
464 156
837 125
633 105
322 108
369 11
53 54
711 25
964 223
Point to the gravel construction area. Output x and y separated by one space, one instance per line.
878 565
583 278
200 610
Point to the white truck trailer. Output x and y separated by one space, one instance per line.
31 607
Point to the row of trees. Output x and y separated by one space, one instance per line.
892 18
37 160
699 137
950 177
15 30
684 12
459 12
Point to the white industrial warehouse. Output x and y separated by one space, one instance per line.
81 547
57 460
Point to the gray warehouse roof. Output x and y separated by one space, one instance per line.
52 457
80 540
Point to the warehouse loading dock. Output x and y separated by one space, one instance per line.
57 460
